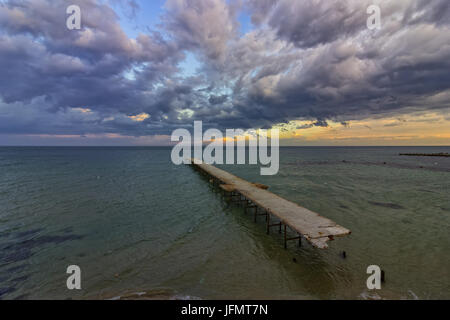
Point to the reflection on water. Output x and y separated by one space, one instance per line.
140 227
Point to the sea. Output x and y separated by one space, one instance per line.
140 227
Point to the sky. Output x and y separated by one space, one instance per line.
138 70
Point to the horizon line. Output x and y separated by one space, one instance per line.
168 146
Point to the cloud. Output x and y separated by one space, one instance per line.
305 126
302 60
204 26
309 23
217 99
44 61
321 123
340 71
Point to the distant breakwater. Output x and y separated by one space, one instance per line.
442 154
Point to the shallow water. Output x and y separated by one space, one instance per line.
135 223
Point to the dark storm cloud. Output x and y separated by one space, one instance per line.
98 67
305 126
309 23
307 60
435 12
341 70
218 99
204 26
320 123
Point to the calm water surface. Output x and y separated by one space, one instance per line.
136 223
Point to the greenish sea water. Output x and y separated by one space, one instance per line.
135 223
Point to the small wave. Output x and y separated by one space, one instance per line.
415 297
162 294
365 295
387 205
370 296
